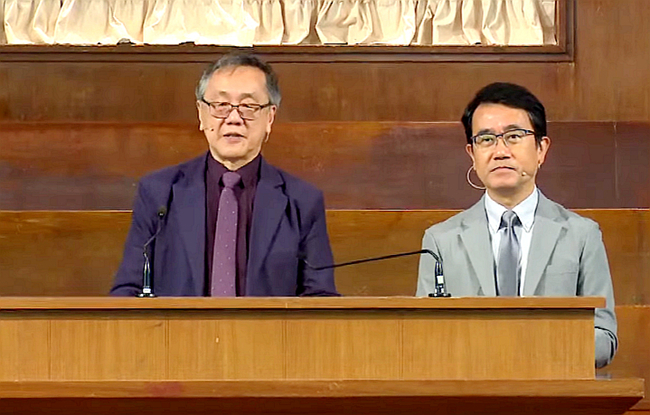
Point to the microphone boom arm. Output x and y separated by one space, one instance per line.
440 289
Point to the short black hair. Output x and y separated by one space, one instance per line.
510 95
233 60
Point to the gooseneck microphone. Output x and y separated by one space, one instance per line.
440 289
147 291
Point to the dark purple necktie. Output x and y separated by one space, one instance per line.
224 255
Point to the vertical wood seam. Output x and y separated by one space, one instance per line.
49 349
400 326
284 345
166 328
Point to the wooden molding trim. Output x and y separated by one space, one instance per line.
591 388
305 303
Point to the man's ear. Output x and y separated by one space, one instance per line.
542 150
469 149
200 115
269 124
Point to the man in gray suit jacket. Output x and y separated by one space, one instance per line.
515 241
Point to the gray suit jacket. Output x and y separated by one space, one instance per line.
567 257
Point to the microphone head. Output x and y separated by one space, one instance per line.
523 173
162 211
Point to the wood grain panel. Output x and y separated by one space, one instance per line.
318 343
626 234
632 359
381 233
161 92
607 81
470 340
20 346
80 251
631 148
108 349
369 347
179 306
60 252
88 164
611 31
361 165
466 389
248 348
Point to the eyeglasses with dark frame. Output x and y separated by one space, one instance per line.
246 111
510 138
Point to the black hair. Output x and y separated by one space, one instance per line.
241 59
510 95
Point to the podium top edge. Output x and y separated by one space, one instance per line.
298 303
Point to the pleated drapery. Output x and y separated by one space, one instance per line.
279 22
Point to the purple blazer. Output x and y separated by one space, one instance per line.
288 223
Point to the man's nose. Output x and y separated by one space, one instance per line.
234 117
501 149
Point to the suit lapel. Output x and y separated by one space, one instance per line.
545 235
476 239
269 207
189 198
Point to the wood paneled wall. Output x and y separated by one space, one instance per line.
607 81
396 165
59 253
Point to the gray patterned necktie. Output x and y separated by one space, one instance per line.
224 264
509 252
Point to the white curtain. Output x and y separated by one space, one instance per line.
353 22
487 22
279 22
3 37
30 21
103 22
204 22
299 19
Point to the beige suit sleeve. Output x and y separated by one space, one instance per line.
595 280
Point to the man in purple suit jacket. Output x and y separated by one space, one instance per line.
278 221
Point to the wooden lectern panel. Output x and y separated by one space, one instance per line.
22 343
87 347
188 339
541 344
345 345
226 345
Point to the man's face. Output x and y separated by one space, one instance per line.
506 170
234 141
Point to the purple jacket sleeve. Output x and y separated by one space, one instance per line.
315 247
128 280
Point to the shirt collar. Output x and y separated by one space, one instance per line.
249 173
525 210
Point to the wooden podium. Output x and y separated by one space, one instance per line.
304 355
